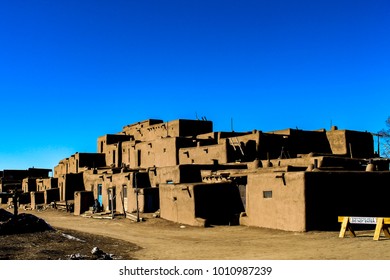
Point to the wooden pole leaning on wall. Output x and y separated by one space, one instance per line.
381 225
350 150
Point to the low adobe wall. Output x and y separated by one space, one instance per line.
148 200
333 194
200 204
276 200
37 198
51 195
83 200
305 201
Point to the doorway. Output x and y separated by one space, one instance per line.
124 196
111 199
100 194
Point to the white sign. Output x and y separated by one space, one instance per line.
362 220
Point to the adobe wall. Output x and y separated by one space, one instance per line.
62 168
313 200
249 144
302 162
113 155
24 198
274 202
186 173
193 127
205 154
80 162
107 181
157 153
362 143
119 182
124 186
47 183
128 153
200 204
110 139
218 203
133 129
177 128
333 194
270 146
51 195
296 141
83 200
68 184
148 200
29 185
36 199
177 204
161 175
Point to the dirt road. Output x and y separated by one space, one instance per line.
164 240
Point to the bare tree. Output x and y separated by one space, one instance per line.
385 141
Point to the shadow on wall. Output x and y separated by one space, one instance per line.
218 204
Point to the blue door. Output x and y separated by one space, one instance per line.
100 194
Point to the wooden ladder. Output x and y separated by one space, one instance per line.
236 144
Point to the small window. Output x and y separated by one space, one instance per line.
267 194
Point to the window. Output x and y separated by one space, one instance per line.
267 194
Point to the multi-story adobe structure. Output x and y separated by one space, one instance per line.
288 179
21 180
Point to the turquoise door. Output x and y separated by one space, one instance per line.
100 194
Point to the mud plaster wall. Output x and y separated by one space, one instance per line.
204 154
177 203
125 195
249 144
51 195
284 210
128 155
362 143
132 129
79 162
190 173
29 185
110 139
333 194
114 155
166 174
37 198
47 183
200 204
62 168
218 204
115 182
158 153
83 200
68 184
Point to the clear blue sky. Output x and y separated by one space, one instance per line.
71 71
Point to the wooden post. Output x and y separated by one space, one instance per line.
346 226
378 228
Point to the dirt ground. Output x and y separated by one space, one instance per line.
158 239
63 244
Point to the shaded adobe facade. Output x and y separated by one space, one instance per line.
288 179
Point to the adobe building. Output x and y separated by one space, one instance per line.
312 200
11 180
122 190
288 179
